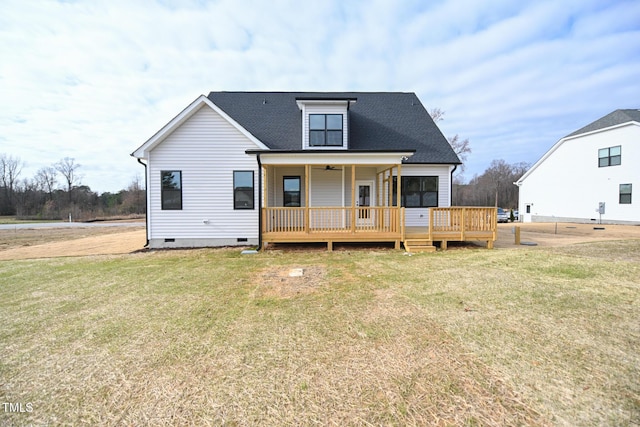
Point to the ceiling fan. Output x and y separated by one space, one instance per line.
329 168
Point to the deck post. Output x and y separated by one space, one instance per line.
378 189
399 192
403 228
307 170
353 198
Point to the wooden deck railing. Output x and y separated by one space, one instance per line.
329 224
463 223
379 219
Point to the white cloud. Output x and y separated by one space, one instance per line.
93 80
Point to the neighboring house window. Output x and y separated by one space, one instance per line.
171 190
625 194
611 156
243 189
291 188
417 191
325 130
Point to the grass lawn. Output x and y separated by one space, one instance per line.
546 336
10 219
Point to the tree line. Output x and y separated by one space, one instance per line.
56 191
493 188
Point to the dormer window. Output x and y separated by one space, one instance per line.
325 130
325 123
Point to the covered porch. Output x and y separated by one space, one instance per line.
350 197
331 196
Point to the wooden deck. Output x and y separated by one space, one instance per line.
377 224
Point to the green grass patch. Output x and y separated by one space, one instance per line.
210 337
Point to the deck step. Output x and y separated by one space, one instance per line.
419 245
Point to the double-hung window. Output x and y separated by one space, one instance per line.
171 182
417 191
291 191
625 194
611 156
243 193
325 130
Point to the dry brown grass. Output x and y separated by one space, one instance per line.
211 338
58 242
545 336
28 237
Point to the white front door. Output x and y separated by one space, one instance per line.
364 199
526 215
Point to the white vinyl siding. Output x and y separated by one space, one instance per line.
325 187
206 149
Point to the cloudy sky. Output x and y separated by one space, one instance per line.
93 80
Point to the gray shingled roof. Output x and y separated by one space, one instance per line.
615 118
377 121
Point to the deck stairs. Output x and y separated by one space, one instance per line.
419 245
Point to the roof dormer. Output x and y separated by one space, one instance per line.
325 123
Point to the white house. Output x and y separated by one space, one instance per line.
248 168
588 175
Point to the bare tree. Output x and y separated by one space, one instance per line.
436 114
498 174
134 197
68 168
10 169
461 147
47 178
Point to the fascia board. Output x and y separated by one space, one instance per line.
333 158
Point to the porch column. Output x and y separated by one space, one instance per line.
265 186
399 185
399 205
390 188
353 198
307 171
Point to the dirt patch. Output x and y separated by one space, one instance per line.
54 242
563 234
289 282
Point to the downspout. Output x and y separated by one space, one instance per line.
146 205
259 202
452 171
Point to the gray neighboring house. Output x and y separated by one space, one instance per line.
247 168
